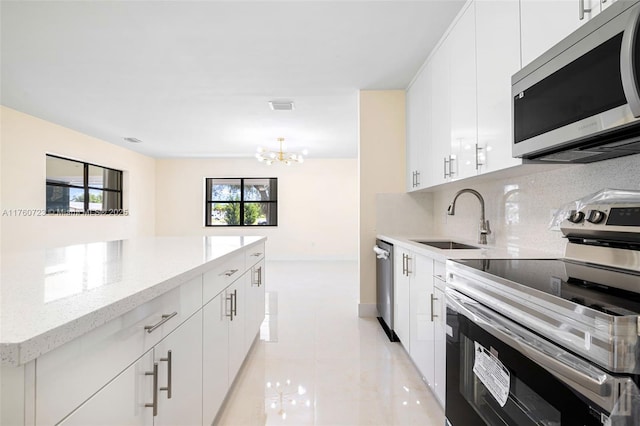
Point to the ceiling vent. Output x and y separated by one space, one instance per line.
281 105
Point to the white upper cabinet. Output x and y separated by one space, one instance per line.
497 24
439 148
418 127
544 23
463 136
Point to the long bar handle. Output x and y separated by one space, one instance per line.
627 72
256 279
169 374
230 312
582 10
154 404
165 318
432 300
234 304
478 163
447 162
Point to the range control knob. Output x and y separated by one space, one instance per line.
576 217
596 216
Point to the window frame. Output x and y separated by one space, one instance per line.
86 190
208 201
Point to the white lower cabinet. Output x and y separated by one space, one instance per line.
179 359
162 388
215 360
237 314
254 301
440 341
420 315
122 401
421 328
402 267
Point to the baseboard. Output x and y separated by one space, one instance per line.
367 310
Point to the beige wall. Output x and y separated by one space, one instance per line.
381 170
24 142
317 205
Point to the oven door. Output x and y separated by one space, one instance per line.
499 373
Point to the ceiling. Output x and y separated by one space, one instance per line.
193 78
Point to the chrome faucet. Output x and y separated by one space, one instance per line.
484 228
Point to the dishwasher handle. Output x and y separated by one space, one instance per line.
381 253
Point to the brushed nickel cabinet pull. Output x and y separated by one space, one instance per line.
257 277
478 162
230 312
229 272
582 10
432 314
165 318
169 374
258 254
154 404
234 305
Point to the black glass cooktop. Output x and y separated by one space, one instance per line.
611 291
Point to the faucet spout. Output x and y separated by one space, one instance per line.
484 228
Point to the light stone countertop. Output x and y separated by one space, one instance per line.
484 251
49 297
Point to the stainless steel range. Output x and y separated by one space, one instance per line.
550 342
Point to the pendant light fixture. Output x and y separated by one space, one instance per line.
269 157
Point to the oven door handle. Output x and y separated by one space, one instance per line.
563 365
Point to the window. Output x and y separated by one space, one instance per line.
77 187
255 200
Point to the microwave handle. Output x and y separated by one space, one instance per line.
627 73
571 371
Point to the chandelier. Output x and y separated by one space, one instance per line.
269 157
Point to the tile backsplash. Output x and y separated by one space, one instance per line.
520 208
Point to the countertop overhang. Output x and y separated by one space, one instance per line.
49 297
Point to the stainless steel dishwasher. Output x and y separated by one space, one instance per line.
384 286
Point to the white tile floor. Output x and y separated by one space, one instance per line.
319 364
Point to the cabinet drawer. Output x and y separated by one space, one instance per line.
440 271
222 276
254 254
70 374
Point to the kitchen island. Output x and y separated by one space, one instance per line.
82 326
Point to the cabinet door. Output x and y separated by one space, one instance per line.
544 23
254 300
441 114
463 135
418 127
237 311
421 328
403 270
122 401
496 25
179 357
440 356
215 357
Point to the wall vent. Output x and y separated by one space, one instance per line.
281 105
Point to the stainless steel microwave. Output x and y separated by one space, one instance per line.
580 101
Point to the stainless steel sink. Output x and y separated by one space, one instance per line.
446 245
